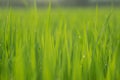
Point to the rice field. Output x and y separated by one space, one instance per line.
60 44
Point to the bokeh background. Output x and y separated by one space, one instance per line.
55 3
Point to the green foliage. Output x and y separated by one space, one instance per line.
64 44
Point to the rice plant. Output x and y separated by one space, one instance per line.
60 44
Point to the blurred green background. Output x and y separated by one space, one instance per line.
70 3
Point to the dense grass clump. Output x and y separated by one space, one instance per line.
64 44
